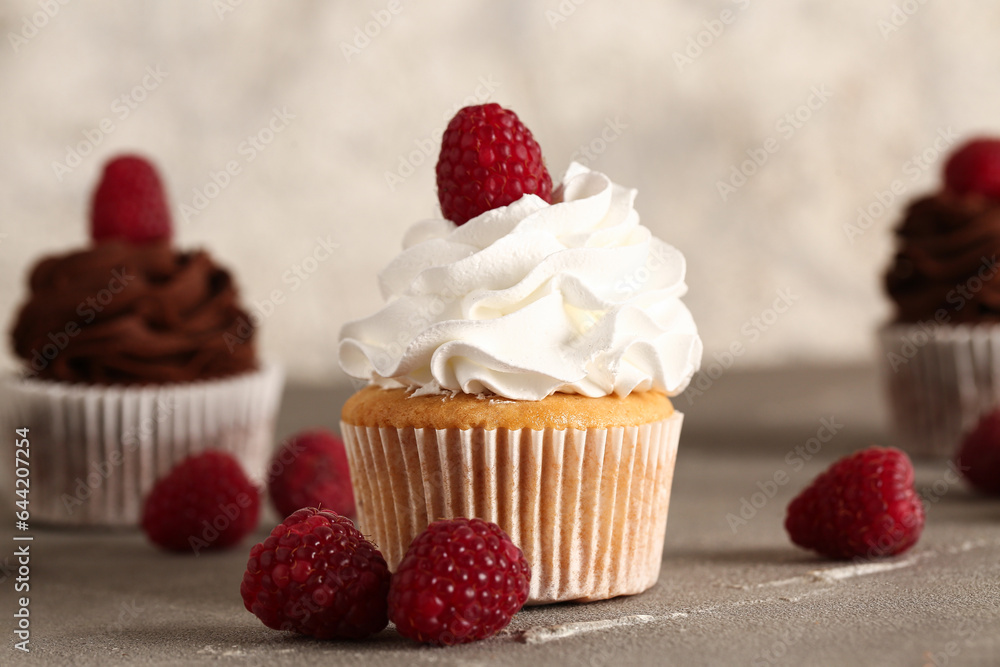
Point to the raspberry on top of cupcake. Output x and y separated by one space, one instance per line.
130 309
524 291
946 263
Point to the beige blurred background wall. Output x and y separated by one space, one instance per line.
666 96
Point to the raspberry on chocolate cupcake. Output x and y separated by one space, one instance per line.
941 352
135 355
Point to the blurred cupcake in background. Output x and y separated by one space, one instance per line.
941 352
135 355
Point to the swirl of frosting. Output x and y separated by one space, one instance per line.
123 314
946 259
532 299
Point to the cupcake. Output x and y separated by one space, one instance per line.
521 368
135 355
941 351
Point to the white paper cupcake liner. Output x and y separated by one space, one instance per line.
940 381
587 507
97 451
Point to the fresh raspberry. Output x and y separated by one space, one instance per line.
310 470
315 574
129 203
975 167
204 502
863 505
488 159
978 457
461 580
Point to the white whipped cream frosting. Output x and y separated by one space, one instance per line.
531 299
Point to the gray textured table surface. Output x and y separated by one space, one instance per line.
726 595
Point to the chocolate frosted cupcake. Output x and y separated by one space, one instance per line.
947 258
941 352
124 314
135 355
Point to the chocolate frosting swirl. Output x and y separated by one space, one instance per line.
126 314
947 259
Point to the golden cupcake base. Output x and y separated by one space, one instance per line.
587 504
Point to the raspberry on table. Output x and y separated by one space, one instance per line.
310 470
488 159
461 580
864 505
975 167
315 574
978 456
205 502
